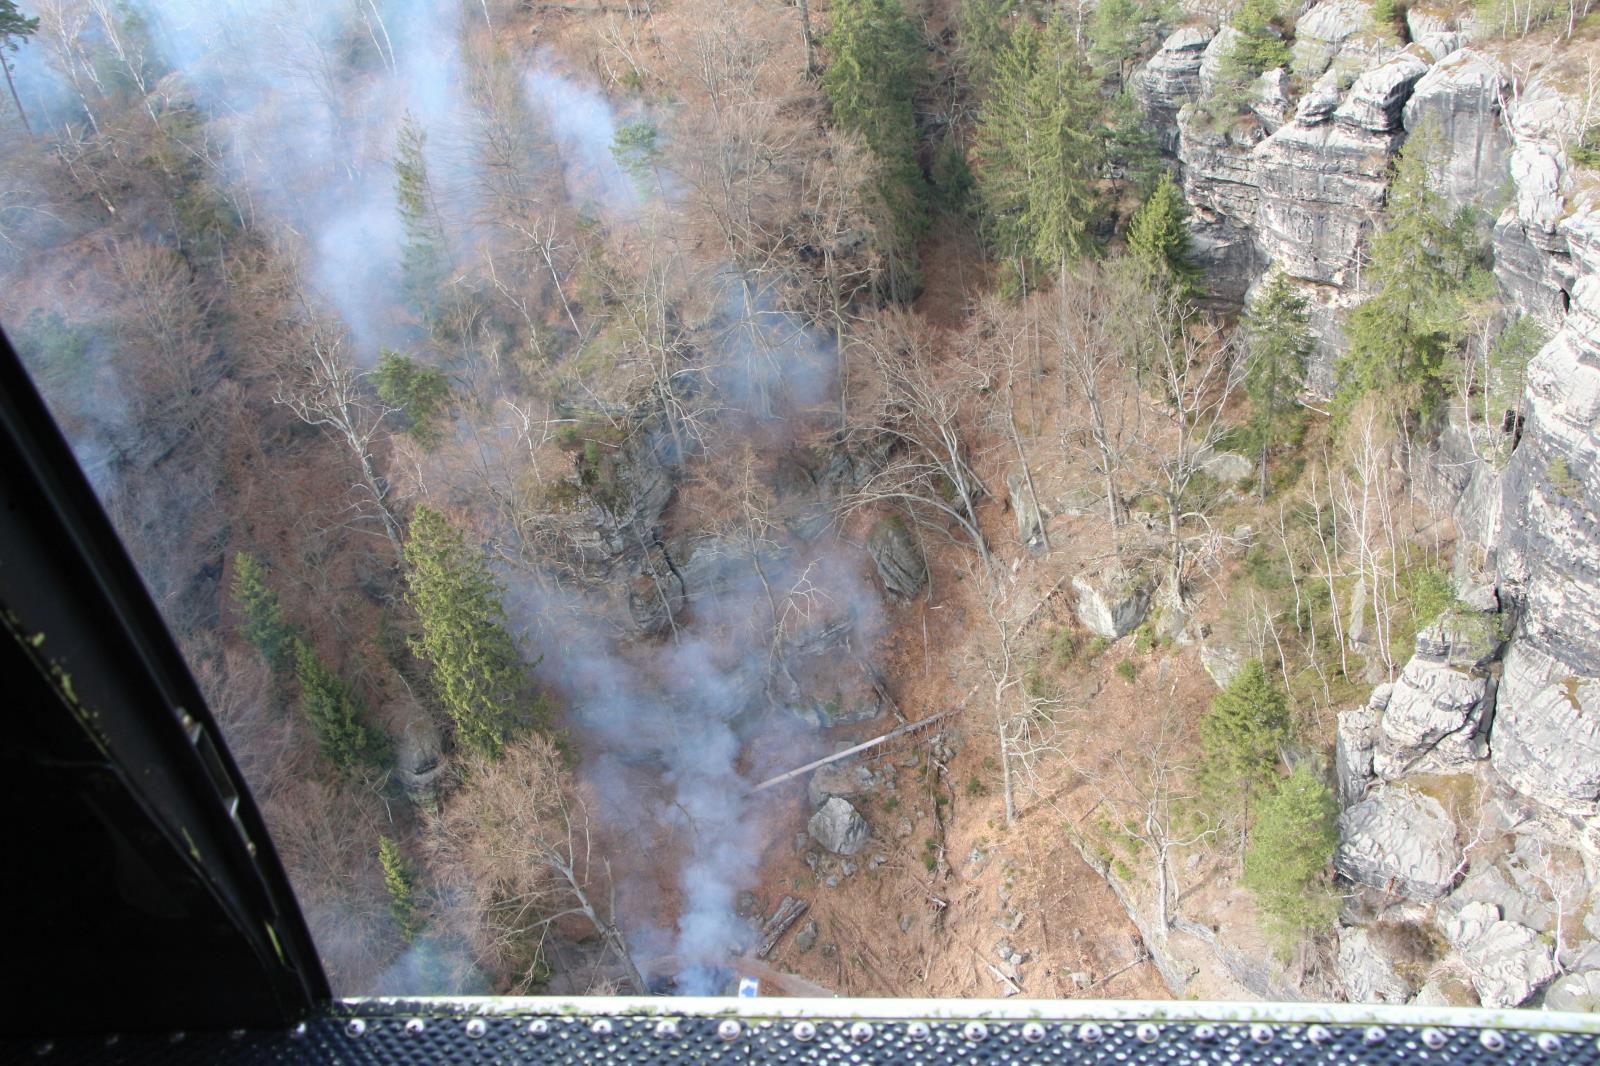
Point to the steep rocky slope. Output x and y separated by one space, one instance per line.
1471 784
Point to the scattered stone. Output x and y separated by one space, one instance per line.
904 828
848 780
806 938
1221 661
877 861
1575 992
1011 921
1114 600
906 921
830 950
894 552
1030 518
1229 468
837 827
832 881
801 842
1401 841
1002 948
1506 962
1547 731
847 868
1368 975
747 904
1081 979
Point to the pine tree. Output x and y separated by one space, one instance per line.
1423 271
476 669
399 880
421 392
425 255
637 149
982 30
1259 48
1040 146
1278 333
335 713
1242 733
1286 862
1159 242
15 27
1116 30
263 623
877 63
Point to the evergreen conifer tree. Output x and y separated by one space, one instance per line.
1422 272
1241 735
1286 862
15 27
335 713
1158 239
1040 146
1259 48
262 624
983 28
476 670
877 63
425 254
1278 332
421 392
399 880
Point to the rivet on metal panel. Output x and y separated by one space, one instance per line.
1549 1042
1205 1033
729 1029
1374 1035
538 1027
861 1032
355 1027
1033 1032
1088 1032
666 1029
1261 1034
477 1027
1434 1038
299 1031
805 1031
1319 1034
600 1027
975 1031
1148 1033
919 1031
415 1026
1492 1040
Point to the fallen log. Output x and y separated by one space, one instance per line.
787 914
874 742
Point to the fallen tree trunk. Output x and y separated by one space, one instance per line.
788 912
874 742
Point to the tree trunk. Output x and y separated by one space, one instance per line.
13 87
805 35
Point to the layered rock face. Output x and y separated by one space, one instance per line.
1470 785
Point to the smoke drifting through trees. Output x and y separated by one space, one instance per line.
297 142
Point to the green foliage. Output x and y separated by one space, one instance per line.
335 713
1561 479
1159 242
1241 735
1130 142
401 883
878 62
1260 46
1586 153
1039 145
1513 350
1385 16
976 788
425 254
262 623
53 350
952 178
1127 670
421 392
14 25
1118 30
1286 862
476 671
1064 647
637 151
1278 335
982 29
1425 269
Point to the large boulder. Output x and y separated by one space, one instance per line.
1399 841
1460 100
1172 77
419 762
845 780
1546 741
1377 100
837 827
1578 992
1367 974
1507 962
1340 35
1354 746
1030 518
1114 600
899 561
1439 710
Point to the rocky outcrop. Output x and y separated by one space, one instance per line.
1355 746
1506 962
1437 714
1338 35
1546 740
1024 505
1400 842
1578 992
845 780
837 827
1459 101
1113 601
899 561
1367 974
1171 79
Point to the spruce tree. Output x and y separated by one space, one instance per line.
877 63
424 254
1278 334
476 669
983 26
335 713
1423 271
1286 862
421 393
1241 735
1259 47
1159 242
1040 147
15 27
262 623
401 883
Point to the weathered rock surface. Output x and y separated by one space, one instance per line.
1460 100
1506 962
846 780
1113 601
899 561
1546 740
1400 841
1579 992
1338 35
1030 518
837 827
419 761
1376 102
1356 742
1438 712
1171 78
1367 974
